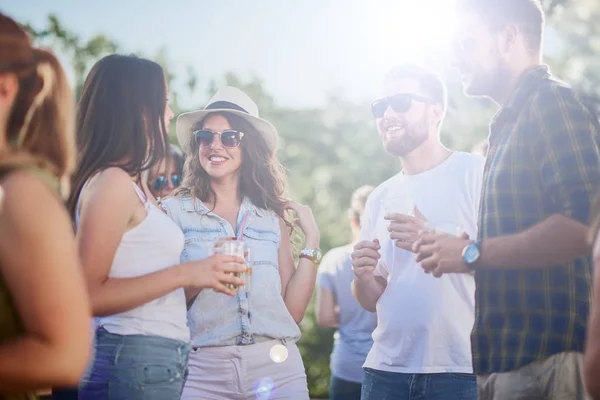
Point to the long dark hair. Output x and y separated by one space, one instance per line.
120 119
262 176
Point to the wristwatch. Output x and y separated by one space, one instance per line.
471 254
313 255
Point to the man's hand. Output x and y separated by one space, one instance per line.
364 258
441 253
404 229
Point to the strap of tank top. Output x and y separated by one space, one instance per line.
79 203
140 193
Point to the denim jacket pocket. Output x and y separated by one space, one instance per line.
197 235
266 235
264 246
198 243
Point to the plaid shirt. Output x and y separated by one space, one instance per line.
543 159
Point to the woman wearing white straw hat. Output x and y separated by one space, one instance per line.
242 347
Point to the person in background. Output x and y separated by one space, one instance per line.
337 308
165 176
44 307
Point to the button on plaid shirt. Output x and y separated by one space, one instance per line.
543 159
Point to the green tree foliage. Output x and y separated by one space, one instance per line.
80 53
577 27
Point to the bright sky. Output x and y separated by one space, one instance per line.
303 50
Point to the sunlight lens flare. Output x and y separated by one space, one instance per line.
414 27
278 353
264 389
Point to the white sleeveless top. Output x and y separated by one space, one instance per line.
154 244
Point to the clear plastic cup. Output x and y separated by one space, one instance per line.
229 247
445 227
247 275
399 205
393 205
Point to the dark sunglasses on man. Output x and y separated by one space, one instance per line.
160 182
400 103
229 138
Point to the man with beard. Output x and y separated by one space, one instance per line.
421 344
531 261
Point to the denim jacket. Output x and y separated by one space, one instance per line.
216 319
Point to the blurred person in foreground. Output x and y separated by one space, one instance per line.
44 307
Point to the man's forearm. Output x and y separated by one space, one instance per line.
367 292
554 241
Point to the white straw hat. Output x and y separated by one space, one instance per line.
231 100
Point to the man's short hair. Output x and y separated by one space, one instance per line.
527 15
429 81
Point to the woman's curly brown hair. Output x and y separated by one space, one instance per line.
262 177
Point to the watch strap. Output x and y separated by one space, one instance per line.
312 255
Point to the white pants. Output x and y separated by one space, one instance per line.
559 377
245 373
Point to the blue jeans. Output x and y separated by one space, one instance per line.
136 367
64 394
342 389
382 385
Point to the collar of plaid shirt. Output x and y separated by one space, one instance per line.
528 81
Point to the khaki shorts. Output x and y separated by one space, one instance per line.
245 373
559 377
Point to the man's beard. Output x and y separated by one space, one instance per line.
489 83
413 137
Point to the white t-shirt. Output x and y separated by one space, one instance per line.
424 323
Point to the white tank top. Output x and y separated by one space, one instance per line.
154 244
